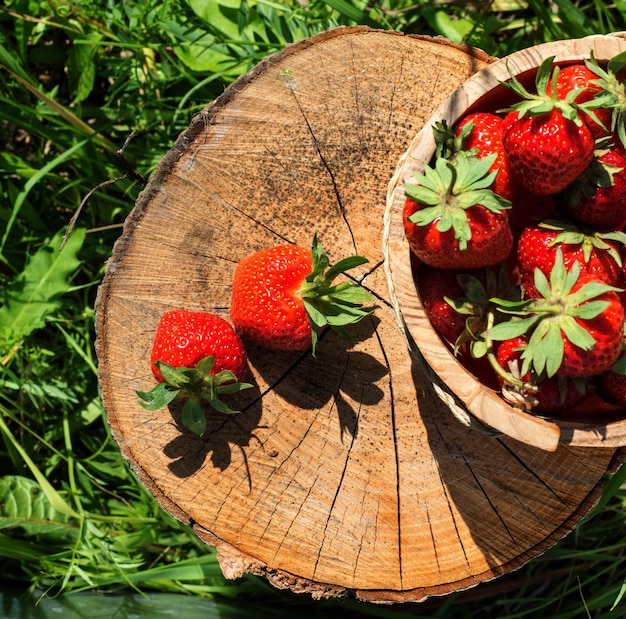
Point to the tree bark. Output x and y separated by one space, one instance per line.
345 473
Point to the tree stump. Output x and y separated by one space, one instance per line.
344 473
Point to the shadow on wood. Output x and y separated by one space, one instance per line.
345 473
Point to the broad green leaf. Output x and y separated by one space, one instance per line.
81 68
23 504
36 292
55 499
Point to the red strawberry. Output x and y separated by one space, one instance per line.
597 198
579 77
539 394
458 302
599 254
485 135
574 326
546 142
195 356
453 220
435 286
611 385
612 94
283 296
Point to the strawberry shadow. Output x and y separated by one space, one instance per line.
339 372
496 485
224 433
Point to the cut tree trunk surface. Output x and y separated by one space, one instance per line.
344 473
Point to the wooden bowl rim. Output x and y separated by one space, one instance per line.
482 408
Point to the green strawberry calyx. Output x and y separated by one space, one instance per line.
552 316
449 189
333 305
612 93
477 306
587 238
544 100
598 175
194 385
448 144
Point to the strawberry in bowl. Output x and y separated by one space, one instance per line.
541 152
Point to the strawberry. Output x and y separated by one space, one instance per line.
580 79
538 394
574 326
612 92
452 220
546 142
597 198
283 297
457 302
611 385
195 356
599 254
435 286
482 132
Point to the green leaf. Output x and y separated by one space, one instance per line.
545 348
590 309
316 317
351 294
158 397
343 265
234 387
510 329
23 504
619 367
193 417
353 13
173 376
81 68
34 294
577 334
57 502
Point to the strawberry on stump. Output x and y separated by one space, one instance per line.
283 297
195 356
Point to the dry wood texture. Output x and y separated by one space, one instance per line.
345 472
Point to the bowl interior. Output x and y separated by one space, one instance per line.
593 423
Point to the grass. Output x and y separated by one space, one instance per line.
78 81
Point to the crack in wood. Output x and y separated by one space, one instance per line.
343 472
431 530
532 472
328 169
394 432
491 503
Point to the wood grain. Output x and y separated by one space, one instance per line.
344 473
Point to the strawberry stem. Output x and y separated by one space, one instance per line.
194 385
333 305
449 189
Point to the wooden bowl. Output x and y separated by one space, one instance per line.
593 425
